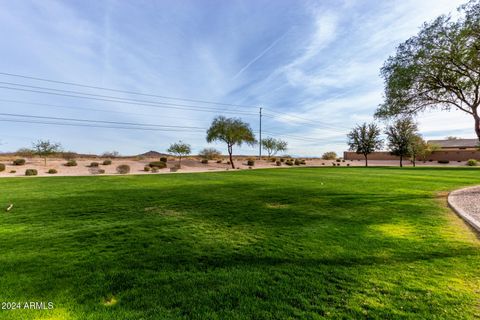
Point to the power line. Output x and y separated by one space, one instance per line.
158 105
123 91
99 121
93 126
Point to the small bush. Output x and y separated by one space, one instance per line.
52 171
163 159
96 170
250 163
443 161
219 161
71 163
282 160
209 153
31 172
2 167
158 164
472 163
123 169
13 171
289 163
273 159
19 162
94 164
154 170
204 161
303 162
147 168
297 162
334 164
348 164
343 160
329 155
323 163
101 171
107 162
339 160
278 163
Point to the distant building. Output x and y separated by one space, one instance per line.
451 150
456 144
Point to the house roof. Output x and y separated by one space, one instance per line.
456 143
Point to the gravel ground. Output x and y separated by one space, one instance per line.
466 202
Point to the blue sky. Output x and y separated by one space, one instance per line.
313 65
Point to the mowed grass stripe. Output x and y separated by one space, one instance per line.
315 243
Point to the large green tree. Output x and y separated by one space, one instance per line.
400 136
232 131
365 139
437 69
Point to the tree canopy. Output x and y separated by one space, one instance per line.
232 131
400 136
45 148
438 68
273 146
365 139
180 149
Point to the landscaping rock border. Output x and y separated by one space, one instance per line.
466 203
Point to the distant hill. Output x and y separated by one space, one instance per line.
153 154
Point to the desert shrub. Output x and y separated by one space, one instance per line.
147 168
2 167
71 163
250 163
31 172
339 160
204 161
329 155
297 162
209 153
163 159
219 161
19 162
94 164
158 164
107 162
13 171
472 163
343 160
25 152
323 163
154 170
52 171
278 163
123 169
348 164
289 162
303 162
96 170
273 159
282 160
334 164
443 161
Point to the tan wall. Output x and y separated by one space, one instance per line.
451 155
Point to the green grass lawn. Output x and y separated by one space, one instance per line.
310 243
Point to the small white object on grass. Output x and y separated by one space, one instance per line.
9 207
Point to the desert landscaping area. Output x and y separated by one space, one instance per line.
137 166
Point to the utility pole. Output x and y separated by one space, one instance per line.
260 141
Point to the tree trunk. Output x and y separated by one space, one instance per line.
366 160
413 161
179 162
477 123
45 161
401 161
230 155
